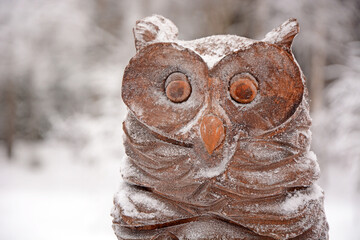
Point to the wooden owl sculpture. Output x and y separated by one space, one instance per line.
217 139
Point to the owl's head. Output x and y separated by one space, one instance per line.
211 91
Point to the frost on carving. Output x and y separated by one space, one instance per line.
217 139
283 35
154 29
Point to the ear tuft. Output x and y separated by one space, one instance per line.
283 35
153 29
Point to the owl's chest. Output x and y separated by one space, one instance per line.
245 168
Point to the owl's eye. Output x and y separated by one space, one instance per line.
177 87
243 88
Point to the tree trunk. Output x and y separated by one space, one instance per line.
10 105
318 61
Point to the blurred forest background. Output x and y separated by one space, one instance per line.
61 64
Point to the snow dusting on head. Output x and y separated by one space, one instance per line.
157 29
212 49
154 29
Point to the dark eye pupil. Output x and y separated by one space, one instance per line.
178 88
243 89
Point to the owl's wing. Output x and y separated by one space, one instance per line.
279 159
164 166
137 208
281 217
149 160
269 181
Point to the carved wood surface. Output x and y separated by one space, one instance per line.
217 142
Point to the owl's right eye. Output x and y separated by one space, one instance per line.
243 88
177 87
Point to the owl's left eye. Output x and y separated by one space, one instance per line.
243 88
177 87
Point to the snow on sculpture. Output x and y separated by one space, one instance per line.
217 139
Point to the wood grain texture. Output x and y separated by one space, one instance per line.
210 166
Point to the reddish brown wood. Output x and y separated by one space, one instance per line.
212 132
177 87
217 140
243 89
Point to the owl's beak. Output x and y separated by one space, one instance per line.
212 132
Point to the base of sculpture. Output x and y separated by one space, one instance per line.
205 227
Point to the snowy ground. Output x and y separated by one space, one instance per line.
62 198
